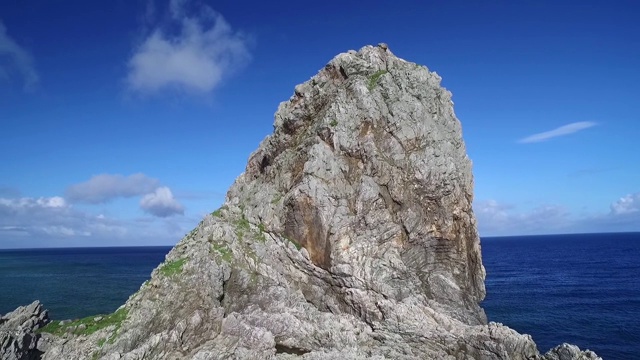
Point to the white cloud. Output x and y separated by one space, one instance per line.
161 203
50 216
63 231
203 52
156 200
105 187
20 204
561 131
497 219
45 222
13 58
626 205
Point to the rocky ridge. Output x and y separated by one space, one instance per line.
350 235
19 339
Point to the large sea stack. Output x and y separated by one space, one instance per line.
350 235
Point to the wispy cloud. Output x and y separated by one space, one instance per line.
203 52
561 131
161 203
105 187
15 59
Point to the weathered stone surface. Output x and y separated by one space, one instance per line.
349 236
570 352
18 337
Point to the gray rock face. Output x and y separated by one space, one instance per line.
349 236
570 352
18 337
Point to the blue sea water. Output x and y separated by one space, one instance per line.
582 289
75 282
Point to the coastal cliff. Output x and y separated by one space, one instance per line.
350 235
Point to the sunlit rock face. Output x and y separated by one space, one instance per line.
367 170
350 235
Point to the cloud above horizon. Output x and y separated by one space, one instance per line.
50 221
161 203
105 187
15 59
626 205
204 51
499 219
496 219
561 131
156 200
44 216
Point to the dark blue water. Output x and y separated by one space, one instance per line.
582 289
75 282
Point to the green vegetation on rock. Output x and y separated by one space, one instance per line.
172 267
373 80
225 252
87 325
218 213
242 227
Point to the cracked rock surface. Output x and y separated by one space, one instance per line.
350 235
18 337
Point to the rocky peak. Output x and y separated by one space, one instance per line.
367 171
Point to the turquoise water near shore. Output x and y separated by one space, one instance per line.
582 289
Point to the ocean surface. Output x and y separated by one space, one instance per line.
581 289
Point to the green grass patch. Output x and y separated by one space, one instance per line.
243 224
242 227
172 267
333 123
225 253
218 213
373 80
87 325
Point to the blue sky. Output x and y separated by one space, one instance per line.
124 122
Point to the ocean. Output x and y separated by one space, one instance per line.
581 289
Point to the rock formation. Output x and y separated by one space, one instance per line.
18 337
350 235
